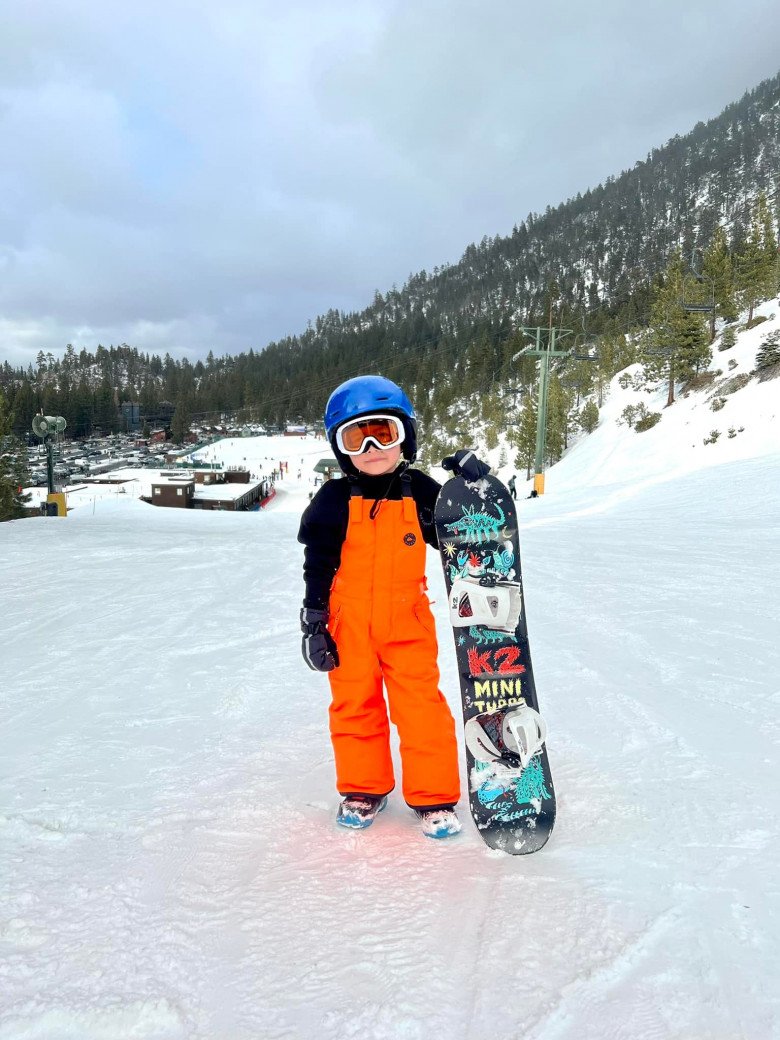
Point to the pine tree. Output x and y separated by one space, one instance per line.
613 353
105 414
13 467
728 338
579 378
557 432
769 352
69 361
524 436
83 409
589 416
149 399
182 417
756 264
718 273
65 401
23 408
675 346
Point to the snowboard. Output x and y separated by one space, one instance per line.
511 798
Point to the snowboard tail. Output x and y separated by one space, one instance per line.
511 796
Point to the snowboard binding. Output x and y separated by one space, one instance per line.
496 604
511 736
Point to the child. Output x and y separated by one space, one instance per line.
366 619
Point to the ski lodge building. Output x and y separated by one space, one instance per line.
230 490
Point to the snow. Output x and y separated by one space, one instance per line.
222 492
169 860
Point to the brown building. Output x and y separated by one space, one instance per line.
229 490
177 493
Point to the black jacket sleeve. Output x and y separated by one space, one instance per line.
322 531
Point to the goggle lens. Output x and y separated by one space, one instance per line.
384 430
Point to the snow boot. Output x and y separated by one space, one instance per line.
439 823
358 810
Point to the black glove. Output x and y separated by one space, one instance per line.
464 463
318 647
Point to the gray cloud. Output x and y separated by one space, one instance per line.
190 177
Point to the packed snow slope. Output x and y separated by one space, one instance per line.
169 862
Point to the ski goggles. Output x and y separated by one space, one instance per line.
383 431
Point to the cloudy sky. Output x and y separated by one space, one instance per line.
188 176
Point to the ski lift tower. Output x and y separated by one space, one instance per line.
47 427
545 348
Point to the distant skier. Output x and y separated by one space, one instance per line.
366 618
511 485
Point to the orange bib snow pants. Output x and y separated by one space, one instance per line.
382 623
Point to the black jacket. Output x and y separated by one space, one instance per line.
324 524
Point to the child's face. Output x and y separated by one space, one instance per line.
376 461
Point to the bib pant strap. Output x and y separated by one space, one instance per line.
410 508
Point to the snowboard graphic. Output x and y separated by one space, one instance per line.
511 794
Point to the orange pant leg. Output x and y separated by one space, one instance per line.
359 727
426 728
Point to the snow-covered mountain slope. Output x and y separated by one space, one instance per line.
747 423
741 410
169 861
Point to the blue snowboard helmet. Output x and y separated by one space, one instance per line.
365 395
